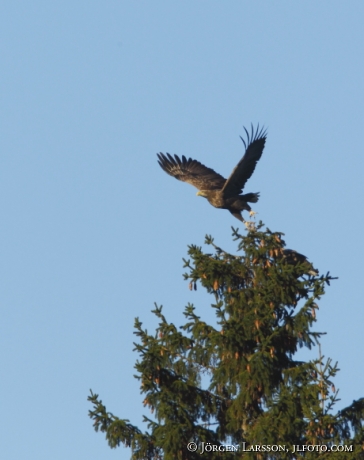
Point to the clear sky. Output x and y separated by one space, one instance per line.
92 230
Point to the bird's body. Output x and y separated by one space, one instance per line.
235 204
220 193
293 257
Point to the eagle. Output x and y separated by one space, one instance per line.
293 257
220 192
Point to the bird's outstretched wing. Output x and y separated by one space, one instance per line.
191 171
244 169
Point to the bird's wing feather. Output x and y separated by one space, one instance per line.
191 171
245 168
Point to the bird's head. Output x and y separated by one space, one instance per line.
202 193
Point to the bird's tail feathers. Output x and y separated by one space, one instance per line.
251 197
237 214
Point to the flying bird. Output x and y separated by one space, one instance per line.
220 192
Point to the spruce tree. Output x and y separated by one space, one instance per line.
236 382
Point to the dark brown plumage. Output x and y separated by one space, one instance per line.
221 193
295 258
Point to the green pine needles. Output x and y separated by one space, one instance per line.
234 389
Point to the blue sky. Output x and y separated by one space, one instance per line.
92 230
